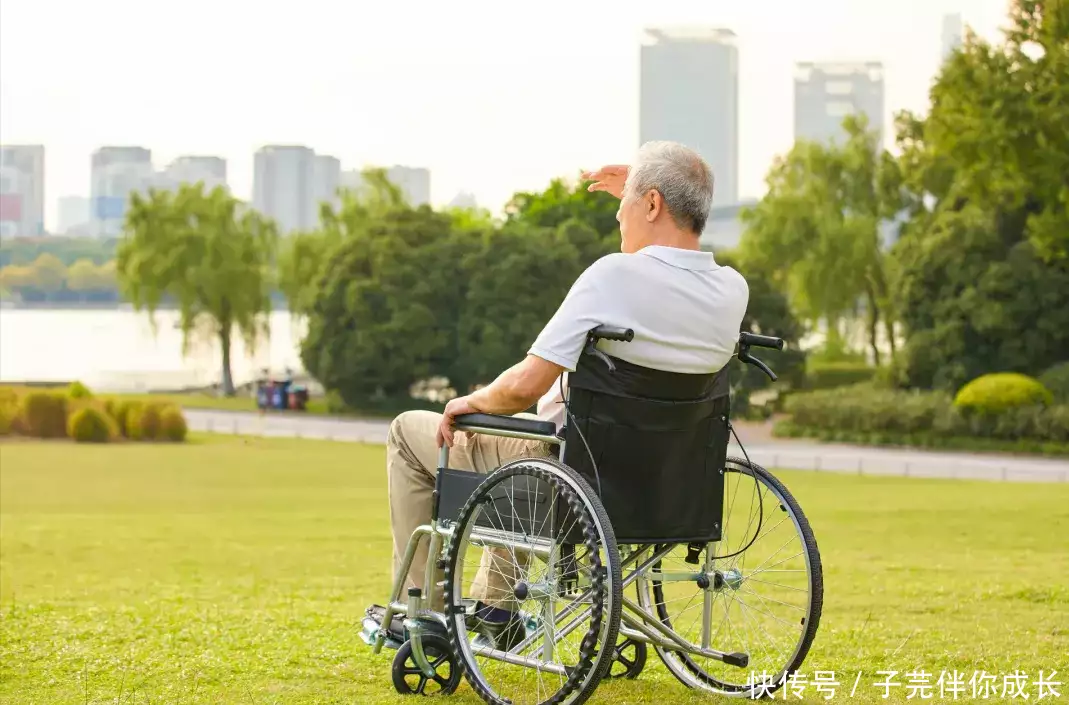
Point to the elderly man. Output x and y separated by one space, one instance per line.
685 310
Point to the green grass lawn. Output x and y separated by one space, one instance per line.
236 570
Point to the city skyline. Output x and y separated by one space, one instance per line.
555 98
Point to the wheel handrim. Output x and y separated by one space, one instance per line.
498 681
779 586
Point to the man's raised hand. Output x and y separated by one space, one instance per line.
609 179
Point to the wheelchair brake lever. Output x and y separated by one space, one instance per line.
745 356
592 350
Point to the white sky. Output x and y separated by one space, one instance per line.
493 96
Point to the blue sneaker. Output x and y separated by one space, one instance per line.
497 628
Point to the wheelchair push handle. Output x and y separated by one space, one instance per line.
760 341
625 335
748 340
603 332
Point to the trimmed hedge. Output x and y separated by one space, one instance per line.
143 422
42 415
77 390
91 425
931 440
1056 379
997 393
863 410
84 418
173 425
842 373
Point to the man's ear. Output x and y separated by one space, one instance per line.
654 203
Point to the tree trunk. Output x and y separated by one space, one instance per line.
224 343
889 326
874 324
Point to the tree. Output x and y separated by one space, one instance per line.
995 134
208 254
564 204
384 311
768 312
516 279
16 280
82 277
982 261
305 255
816 233
49 274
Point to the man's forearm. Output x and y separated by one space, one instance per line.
513 391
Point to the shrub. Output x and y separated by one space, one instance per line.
864 408
143 422
1056 379
91 424
9 408
830 375
77 390
121 410
43 415
173 424
874 413
993 394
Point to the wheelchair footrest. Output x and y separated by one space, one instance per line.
396 634
737 659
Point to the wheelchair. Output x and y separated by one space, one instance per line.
640 533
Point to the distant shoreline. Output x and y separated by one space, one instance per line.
70 306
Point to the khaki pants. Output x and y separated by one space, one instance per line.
411 463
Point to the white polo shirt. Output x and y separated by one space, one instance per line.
685 309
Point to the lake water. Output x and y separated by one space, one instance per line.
117 350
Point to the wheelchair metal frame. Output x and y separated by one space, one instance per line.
638 622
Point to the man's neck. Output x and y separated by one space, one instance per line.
679 239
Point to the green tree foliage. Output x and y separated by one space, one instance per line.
567 208
976 299
816 232
24 250
768 313
208 255
515 280
383 315
304 256
984 277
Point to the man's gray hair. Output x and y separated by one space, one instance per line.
682 177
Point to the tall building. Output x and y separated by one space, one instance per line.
689 85
210 171
289 183
414 182
22 190
117 172
326 180
464 200
953 28
825 93
73 215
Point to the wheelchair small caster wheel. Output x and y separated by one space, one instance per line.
408 679
628 659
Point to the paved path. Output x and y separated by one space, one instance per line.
773 453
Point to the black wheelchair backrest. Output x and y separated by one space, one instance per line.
659 441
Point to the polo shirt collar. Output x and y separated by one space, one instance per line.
696 260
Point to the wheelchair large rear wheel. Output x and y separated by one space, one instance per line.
534 540
766 591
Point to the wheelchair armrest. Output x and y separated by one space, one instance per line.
507 424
